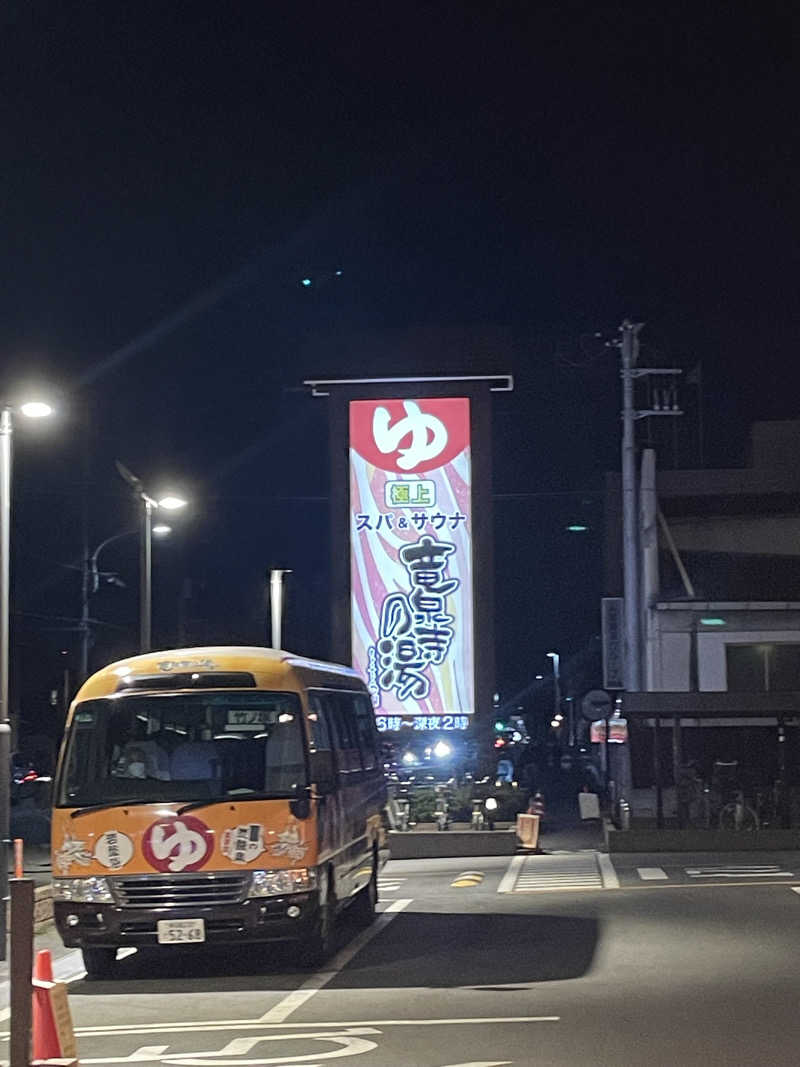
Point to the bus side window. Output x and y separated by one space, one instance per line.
318 719
367 731
343 728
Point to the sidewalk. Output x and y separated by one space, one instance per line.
563 830
65 960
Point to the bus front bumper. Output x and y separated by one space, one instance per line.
287 918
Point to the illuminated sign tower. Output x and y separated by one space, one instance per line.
412 544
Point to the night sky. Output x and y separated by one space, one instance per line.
498 184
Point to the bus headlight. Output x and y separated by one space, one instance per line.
83 890
279 883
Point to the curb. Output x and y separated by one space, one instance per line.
647 839
416 844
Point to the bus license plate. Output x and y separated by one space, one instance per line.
179 931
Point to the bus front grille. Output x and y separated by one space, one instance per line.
180 891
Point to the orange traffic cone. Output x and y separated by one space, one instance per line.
46 1045
43 967
53 1039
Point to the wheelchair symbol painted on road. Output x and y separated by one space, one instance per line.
349 1042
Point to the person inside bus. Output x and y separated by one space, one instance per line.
195 760
141 757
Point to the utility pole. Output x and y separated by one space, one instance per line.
666 403
84 628
146 577
630 540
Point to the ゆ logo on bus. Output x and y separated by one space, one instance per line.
177 844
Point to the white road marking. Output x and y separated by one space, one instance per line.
292 1001
481 1063
255 1024
510 877
652 874
609 875
348 1042
389 885
564 871
397 905
795 888
749 870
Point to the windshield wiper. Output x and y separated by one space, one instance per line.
232 797
111 804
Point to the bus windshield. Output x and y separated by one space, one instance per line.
183 747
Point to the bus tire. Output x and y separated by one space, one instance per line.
321 941
99 962
364 904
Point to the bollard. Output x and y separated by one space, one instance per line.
21 891
624 814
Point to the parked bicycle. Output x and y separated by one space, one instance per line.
720 803
738 815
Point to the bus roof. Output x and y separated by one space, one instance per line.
271 668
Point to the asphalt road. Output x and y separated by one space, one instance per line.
564 959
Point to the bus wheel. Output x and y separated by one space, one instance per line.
99 962
366 899
322 939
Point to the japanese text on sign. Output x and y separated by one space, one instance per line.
411 556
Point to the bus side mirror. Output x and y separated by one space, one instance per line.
322 771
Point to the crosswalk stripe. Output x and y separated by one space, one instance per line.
389 885
561 871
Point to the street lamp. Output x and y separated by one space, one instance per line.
31 410
557 696
276 604
169 502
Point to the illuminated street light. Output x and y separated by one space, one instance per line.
554 656
36 409
32 409
161 530
169 502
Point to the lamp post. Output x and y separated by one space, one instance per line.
554 656
276 604
170 502
33 410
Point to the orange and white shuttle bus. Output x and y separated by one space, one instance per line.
229 795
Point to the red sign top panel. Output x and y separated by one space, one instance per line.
409 436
